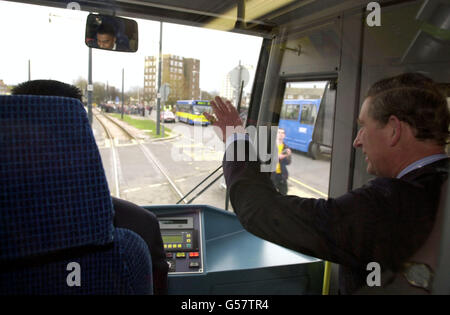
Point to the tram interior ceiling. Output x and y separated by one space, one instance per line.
257 17
305 42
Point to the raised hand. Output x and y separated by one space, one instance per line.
225 116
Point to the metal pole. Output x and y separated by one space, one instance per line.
227 199
241 90
158 104
238 89
123 74
89 87
29 70
143 98
163 105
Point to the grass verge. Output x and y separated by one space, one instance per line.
143 124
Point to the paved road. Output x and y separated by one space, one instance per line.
188 159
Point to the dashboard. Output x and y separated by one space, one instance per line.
209 252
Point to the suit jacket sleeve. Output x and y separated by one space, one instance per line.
343 230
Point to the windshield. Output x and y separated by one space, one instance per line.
199 109
141 170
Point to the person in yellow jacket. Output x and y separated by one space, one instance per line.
280 176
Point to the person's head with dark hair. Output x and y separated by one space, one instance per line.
48 88
106 36
403 119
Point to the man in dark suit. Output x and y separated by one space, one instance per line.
403 131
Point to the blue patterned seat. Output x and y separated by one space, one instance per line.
56 209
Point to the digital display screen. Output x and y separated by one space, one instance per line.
172 238
173 221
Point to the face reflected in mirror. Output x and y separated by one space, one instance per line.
111 33
106 37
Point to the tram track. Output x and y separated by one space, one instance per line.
115 158
150 157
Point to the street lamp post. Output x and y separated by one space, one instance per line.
123 79
158 102
89 88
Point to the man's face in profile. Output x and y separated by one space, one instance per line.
373 139
106 41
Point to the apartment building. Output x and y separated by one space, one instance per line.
182 74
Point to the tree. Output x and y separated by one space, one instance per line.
81 83
103 93
209 95
99 94
136 93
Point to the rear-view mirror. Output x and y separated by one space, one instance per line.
111 33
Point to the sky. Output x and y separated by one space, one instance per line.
53 40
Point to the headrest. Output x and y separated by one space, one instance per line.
53 190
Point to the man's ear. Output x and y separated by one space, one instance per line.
396 130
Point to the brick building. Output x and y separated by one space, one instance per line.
182 74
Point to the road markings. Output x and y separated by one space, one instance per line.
202 153
308 187
132 189
140 188
157 185
300 192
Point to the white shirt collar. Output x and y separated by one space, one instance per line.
420 163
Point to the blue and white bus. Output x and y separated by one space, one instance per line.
298 118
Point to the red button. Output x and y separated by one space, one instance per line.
193 254
169 255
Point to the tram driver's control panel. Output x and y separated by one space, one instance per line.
182 242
